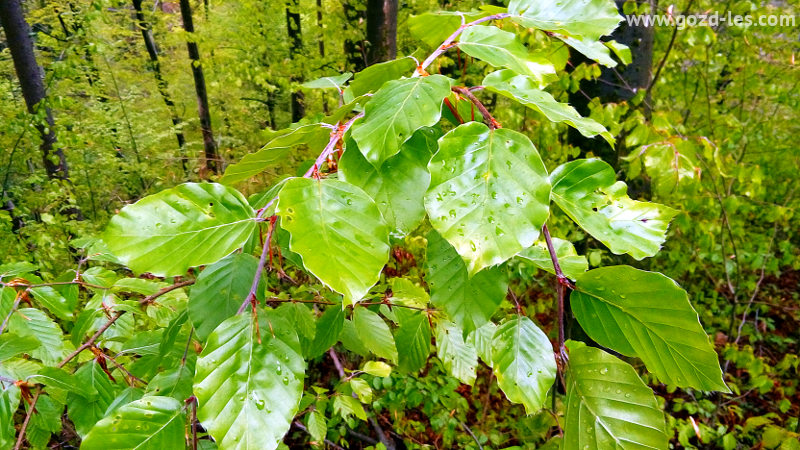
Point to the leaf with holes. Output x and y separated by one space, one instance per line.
153 423
524 90
338 231
469 302
648 316
502 49
189 225
586 189
523 362
608 405
489 193
249 380
580 18
396 111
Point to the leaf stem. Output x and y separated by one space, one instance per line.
262 261
563 282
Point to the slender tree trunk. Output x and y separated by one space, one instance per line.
18 36
163 88
354 50
295 50
321 29
212 162
381 30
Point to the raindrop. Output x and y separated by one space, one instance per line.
604 371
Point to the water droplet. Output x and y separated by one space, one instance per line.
604 371
260 404
349 201
285 380
452 213
473 246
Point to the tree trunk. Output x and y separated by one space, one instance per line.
355 52
209 144
616 84
381 30
295 49
163 88
18 36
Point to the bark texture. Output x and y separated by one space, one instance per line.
212 162
18 37
381 30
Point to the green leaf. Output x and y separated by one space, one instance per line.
171 333
595 50
189 225
374 333
12 345
433 28
459 357
415 334
399 185
525 90
608 405
332 82
148 423
254 163
59 378
85 413
622 51
361 389
572 264
54 302
175 383
481 340
523 362
396 111
377 368
99 276
329 327
9 403
580 18
373 77
33 323
469 302
347 406
220 290
489 193
248 382
317 426
648 316
502 49
45 422
586 190
338 231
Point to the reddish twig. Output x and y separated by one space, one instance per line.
448 43
492 122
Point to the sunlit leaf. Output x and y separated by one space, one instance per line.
608 405
648 316
189 225
587 190
580 18
249 380
338 231
489 193
502 49
153 423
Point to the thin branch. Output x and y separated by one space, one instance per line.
24 426
563 282
262 261
492 122
469 431
448 43
10 313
